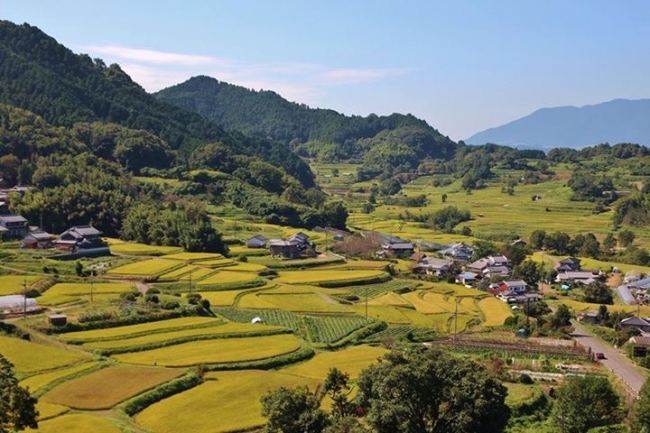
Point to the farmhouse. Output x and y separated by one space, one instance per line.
569 264
400 249
15 226
580 277
640 345
257 241
434 266
636 322
37 239
284 249
81 239
466 278
459 252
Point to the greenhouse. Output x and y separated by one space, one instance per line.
17 304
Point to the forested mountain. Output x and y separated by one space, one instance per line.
323 134
46 78
617 121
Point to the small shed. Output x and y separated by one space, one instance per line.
257 241
57 319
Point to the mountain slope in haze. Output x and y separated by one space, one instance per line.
617 121
267 114
40 75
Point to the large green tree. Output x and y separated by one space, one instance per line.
17 407
586 402
641 410
294 410
422 390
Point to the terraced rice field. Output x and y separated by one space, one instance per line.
142 249
77 423
28 357
13 284
224 298
117 384
385 313
351 361
319 277
184 334
494 311
197 274
306 302
194 257
393 299
39 381
217 263
50 410
63 293
330 329
245 267
140 329
215 351
233 280
147 268
179 272
234 395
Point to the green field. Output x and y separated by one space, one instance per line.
215 351
235 395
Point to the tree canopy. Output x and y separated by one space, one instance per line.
17 407
421 390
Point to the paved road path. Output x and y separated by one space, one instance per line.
615 360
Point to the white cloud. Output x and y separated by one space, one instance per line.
295 81
151 56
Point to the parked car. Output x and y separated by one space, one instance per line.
600 355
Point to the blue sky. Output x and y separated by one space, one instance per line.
462 65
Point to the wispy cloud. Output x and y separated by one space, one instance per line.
296 81
151 56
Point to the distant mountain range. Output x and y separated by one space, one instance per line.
617 121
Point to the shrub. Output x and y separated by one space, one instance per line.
152 299
193 298
97 316
153 291
526 379
243 258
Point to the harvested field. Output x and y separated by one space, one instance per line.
107 387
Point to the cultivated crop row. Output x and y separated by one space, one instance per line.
332 328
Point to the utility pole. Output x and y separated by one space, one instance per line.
366 303
92 274
455 320
25 297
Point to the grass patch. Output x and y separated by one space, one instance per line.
117 384
235 394
28 357
215 351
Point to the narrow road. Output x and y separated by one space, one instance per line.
614 360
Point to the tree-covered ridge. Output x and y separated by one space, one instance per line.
324 134
42 76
